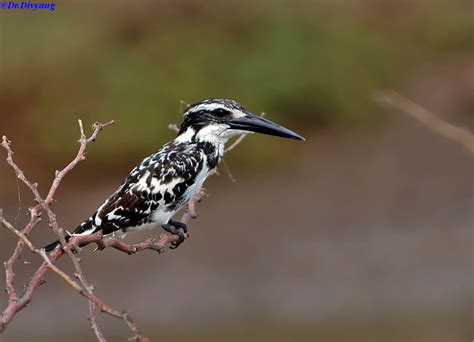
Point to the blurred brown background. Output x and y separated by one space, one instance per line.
362 233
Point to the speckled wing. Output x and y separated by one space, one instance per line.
159 182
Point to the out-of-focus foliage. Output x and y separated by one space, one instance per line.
362 233
305 64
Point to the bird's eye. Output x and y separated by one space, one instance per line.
221 112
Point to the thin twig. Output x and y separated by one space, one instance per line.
173 127
236 142
190 212
93 322
14 304
17 303
392 99
72 283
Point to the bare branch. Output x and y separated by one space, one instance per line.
15 302
102 243
173 127
394 100
190 212
93 321
236 143
72 283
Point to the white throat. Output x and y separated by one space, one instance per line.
216 134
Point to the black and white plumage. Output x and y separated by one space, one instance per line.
163 183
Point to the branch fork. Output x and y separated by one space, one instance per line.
77 281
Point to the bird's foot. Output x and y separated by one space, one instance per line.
176 228
178 224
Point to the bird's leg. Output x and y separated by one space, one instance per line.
176 228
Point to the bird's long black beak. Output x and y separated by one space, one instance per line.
253 123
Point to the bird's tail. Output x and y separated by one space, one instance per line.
50 247
85 227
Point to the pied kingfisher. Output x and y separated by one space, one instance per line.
164 182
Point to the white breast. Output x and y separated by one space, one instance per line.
200 178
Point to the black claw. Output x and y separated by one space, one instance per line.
181 237
169 228
178 224
176 228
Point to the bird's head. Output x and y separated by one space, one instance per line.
221 119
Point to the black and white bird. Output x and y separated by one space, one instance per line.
163 183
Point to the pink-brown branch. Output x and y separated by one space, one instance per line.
15 302
391 99
74 284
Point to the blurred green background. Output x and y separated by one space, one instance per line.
306 64
365 189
